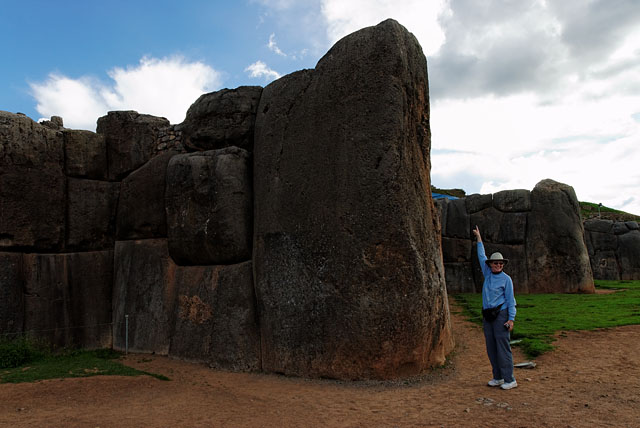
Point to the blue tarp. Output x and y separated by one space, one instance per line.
441 196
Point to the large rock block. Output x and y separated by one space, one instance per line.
131 140
518 200
558 261
460 279
141 208
90 279
11 294
604 265
28 144
33 208
68 298
348 268
209 206
458 220
91 214
629 255
143 289
85 154
222 119
216 320
32 185
47 300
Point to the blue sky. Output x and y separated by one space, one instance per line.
521 90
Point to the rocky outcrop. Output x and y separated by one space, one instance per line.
222 119
614 249
540 232
347 264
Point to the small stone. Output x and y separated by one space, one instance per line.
467 410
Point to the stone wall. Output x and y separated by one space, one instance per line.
336 272
539 231
614 249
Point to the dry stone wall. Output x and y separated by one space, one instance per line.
148 231
614 249
539 231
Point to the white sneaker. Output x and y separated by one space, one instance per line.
509 385
495 382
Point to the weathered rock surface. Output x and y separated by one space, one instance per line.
32 185
131 140
348 270
209 207
222 119
558 260
141 208
11 293
539 232
614 249
143 289
85 155
216 320
91 214
68 298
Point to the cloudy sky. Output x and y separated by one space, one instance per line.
521 90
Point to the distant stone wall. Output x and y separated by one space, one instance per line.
332 274
614 249
539 231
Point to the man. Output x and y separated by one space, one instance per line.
499 312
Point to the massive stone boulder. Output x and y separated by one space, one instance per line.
11 294
85 154
558 260
216 319
209 207
347 262
222 119
614 249
67 298
141 208
540 232
32 185
130 138
144 292
91 215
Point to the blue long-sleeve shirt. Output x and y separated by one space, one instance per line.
497 288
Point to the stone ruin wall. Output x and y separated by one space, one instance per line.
614 249
275 270
539 231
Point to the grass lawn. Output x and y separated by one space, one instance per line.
540 316
22 361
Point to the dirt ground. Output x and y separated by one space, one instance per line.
591 380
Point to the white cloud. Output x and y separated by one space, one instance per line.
260 70
273 46
161 87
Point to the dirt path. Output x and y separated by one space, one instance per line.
591 380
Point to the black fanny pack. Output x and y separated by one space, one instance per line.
491 314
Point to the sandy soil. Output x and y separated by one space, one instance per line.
591 380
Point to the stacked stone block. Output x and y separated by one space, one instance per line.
614 249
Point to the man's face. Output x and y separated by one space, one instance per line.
496 267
